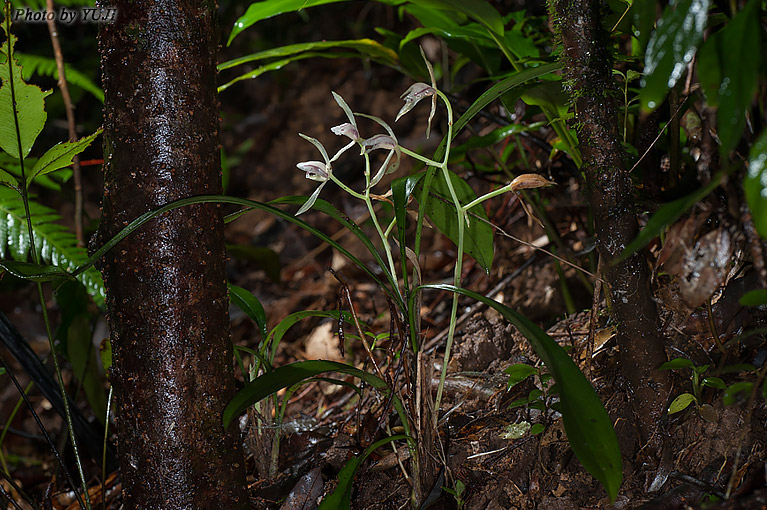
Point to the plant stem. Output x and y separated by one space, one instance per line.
458 263
36 260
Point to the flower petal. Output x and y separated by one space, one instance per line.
315 170
310 201
412 95
345 108
378 142
346 129
317 144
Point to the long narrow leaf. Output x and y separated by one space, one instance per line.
288 375
588 427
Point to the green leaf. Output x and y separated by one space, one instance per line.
754 298
667 214
55 243
551 98
366 47
729 69
731 393
478 237
51 181
681 403
279 64
340 498
755 184
671 48
518 373
60 156
266 9
478 10
29 103
713 382
588 427
498 89
7 179
250 306
46 66
676 363
294 373
34 272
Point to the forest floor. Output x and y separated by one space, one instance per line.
706 447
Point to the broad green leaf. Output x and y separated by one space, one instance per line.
29 103
288 375
728 70
518 373
340 498
550 97
676 364
713 382
754 298
7 179
478 10
681 403
755 184
588 427
250 306
60 156
478 237
671 48
266 9
731 393
666 215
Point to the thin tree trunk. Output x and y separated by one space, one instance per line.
167 300
588 69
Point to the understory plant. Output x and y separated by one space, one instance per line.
453 207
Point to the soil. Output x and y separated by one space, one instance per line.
705 451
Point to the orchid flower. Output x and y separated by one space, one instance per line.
387 142
418 91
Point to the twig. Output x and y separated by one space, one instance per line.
72 131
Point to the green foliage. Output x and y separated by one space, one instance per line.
755 184
589 429
59 156
441 211
340 498
671 48
728 66
46 66
54 242
24 112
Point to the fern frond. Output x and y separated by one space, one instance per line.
55 243
46 66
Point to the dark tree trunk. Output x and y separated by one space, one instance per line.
588 69
167 300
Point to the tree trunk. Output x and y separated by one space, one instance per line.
167 301
588 69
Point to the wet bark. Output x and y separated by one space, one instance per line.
167 301
588 70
